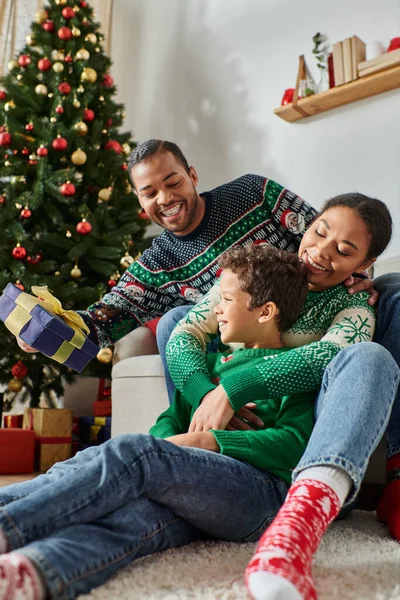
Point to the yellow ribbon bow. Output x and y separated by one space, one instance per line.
52 304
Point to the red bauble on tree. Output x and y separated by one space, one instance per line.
88 115
29 127
59 110
142 215
112 282
64 88
68 12
44 64
19 370
83 4
20 286
35 259
67 189
5 139
24 151
64 33
3 95
83 228
48 25
114 145
24 60
108 81
68 59
19 252
25 213
42 151
60 144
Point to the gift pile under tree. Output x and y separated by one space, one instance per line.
68 216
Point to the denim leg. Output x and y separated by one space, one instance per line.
387 334
352 410
221 496
164 329
79 558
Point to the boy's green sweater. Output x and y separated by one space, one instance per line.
288 420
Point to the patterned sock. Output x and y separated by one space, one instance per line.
19 579
281 566
388 510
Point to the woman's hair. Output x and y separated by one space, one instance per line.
269 275
375 215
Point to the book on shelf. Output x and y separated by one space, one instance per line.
337 55
347 62
357 54
380 63
331 73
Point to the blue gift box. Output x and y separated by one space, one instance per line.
95 430
25 317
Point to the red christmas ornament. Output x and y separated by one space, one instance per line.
68 59
124 167
29 127
26 213
67 189
20 286
83 4
24 60
64 88
64 33
19 252
48 25
60 144
68 12
88 115
5 139
19 370
143 215
3 95
109 123
2 199
112 282
44 64
108 81
84 228
32 161
42 151
34 260
114 145
59 110
24 151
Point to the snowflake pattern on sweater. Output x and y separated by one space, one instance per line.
178 270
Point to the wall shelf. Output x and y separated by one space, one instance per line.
371 85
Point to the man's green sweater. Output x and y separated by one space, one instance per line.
288 420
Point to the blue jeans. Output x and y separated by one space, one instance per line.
88 517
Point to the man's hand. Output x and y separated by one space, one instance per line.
201 439
356 284
245 413
214 412
25 346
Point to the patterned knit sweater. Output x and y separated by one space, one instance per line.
288 420
329 321
178 270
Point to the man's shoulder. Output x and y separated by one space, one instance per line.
249 181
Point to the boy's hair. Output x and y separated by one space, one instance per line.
269 275
375 215
149 148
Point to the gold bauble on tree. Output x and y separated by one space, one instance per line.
57 55
76 103
126 148
76 273
61 2
82 54
81 128
127 260
79 157
12 64
41 16
91 38
105 355
105 194
9 105
76 32
30 40
58 67
89 74
41 89
15 385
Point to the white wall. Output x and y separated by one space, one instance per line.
207 74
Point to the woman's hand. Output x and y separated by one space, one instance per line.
214 412
356 284
24 346
201 439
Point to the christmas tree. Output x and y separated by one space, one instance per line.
69 217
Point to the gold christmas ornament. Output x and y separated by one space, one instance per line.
19 77
12 64
97 49
18 206
30 40
58 67
7 163
41 89
68 234
15 385
76 32
9 105
126 148
101 98
57 55
61 2
57 273
79 157
76 8
81 128
126 260
105 194
82 54
51 95
76 273
53 119
128 189
41 16
76 103
105 355
81 89
32 157
89 74
91 38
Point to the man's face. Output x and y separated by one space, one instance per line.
167 193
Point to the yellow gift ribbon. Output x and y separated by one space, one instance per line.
52 304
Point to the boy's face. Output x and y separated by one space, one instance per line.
236 322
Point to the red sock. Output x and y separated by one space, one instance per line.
281 566
19 580
388 510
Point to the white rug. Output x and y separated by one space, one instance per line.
357 560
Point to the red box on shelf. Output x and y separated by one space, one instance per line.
17 451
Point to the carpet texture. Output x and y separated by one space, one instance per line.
357 560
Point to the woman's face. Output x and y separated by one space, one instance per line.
334 247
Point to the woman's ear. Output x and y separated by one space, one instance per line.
366 265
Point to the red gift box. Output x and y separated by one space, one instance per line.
13 421
17 451
102 408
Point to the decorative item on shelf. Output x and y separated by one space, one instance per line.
319 51
381 63
287 98
394 44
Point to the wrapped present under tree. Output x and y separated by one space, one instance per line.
53 431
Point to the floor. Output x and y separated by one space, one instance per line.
10 479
